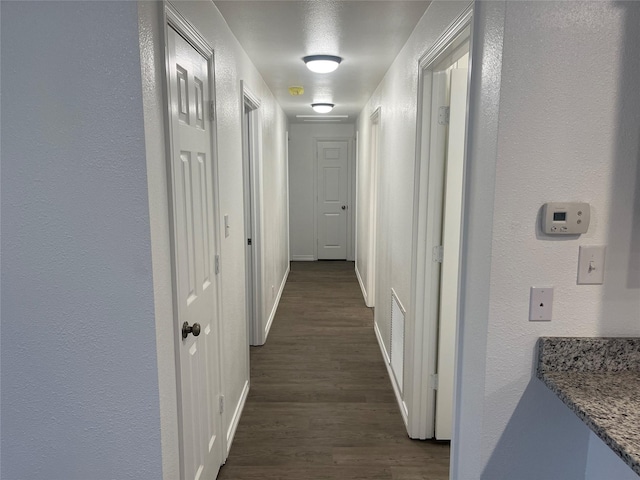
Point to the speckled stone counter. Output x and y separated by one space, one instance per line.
599 379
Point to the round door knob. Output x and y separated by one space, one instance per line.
344 207
195 329
186 329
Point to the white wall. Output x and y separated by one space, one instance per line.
88 378
364 199
79 366
302 151
150 28
232 65
564 106
396 96
275 223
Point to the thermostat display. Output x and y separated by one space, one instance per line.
565 218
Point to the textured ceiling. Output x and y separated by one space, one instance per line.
367 34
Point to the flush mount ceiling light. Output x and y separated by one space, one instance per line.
324 116
322 107
322 63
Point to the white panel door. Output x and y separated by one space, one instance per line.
193 203
452 222
332 184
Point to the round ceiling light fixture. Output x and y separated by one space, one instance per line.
322 107
322 63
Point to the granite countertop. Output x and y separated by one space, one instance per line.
599 379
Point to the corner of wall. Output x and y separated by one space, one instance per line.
482 135
150 17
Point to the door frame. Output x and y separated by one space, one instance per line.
173 19
350 189
354 199
374 153
421 351
286 153
252 182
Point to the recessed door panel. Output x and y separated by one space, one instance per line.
199 103
331 153
333 230
182 103
331 184
185 229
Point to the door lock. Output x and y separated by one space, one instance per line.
344 207
186 329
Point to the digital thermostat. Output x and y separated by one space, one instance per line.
565 218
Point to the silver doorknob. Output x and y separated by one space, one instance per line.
186 329
344 207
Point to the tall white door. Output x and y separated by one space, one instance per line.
333 195
451 229
194 256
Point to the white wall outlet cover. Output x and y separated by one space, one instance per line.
540 304
591 265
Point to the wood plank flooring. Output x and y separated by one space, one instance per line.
321 406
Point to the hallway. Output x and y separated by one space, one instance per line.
321 405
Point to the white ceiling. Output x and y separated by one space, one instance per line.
367 34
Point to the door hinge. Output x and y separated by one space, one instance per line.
217 264
212 110
248 241
221 403
434 381
443 115
438 254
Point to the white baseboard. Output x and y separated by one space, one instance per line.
387 362
383 349
272 315
235 420
364 290
303 258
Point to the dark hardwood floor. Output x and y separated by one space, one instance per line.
321 405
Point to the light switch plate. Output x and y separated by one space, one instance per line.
540 304
591 265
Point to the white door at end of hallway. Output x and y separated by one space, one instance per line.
195 295
332 178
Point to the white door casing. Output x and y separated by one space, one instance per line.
253 214
248 225
195 286
332 199
373 217
423 376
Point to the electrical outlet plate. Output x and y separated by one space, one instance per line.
540 304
